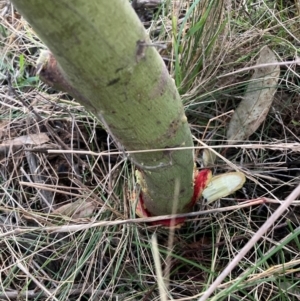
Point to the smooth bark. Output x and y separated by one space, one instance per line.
109 65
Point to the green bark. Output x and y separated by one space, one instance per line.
100 48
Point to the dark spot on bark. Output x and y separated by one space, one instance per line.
113 112
113 81
173 128
158 122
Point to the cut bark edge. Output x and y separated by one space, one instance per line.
201 180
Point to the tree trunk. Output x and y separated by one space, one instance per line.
104 54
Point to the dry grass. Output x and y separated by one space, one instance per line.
95 249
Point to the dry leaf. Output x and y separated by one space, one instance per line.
33 139
78 209
257 101
13 145
208 157
223 185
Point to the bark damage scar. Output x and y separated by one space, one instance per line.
50 72
161 84
201 180
140 50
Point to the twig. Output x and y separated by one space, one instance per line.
75 228
260 66
277 146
